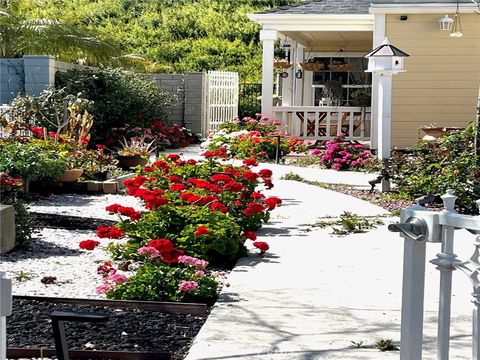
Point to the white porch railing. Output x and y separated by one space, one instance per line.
325 122
420 226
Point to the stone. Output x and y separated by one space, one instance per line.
7 228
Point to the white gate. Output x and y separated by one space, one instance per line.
420 226
221 98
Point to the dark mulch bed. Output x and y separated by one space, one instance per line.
127 330
43 220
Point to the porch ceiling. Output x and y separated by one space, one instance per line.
333 38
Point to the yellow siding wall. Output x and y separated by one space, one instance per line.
443 74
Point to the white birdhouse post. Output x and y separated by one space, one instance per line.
386 60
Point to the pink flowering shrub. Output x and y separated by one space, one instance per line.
343 155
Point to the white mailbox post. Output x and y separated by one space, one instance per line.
386 60
5 310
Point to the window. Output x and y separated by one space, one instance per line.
347 71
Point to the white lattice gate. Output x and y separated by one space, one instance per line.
221 98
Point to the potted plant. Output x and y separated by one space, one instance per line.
134 152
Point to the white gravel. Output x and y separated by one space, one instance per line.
92 206
55 252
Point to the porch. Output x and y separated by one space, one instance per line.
325 122
313 70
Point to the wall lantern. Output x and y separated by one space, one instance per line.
386 59
299 74
446 23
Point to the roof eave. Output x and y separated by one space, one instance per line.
314 22
431 8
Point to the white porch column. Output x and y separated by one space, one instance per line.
384 116
298 88
268 37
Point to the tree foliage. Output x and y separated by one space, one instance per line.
176 35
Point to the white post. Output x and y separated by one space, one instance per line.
378 37
412 300
5 310
384 116
298 90
268 37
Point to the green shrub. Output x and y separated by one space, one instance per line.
31 162
432 168
119 97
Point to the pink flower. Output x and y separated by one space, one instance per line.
315 152
188 286
336 166
276 122
192 261
199 273
150 251
104 288
117 278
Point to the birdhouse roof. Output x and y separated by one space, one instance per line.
386 50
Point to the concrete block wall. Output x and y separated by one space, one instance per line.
39 73
174 84
12 79
34 73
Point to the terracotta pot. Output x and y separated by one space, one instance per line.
70 175
126 162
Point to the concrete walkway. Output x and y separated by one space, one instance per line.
313 293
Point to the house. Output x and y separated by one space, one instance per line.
322 82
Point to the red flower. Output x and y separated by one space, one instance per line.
153 202
171 256
135 216
126 211
218 206
148 169
257 195
84 140
253 208
250 175
38 132
262 246
202 230
100 146
233 186
272 202
177 187
88 244
191 162
265 173
174 178
161 245
204 200
250 235
189 197
173 157
109 232
250 162
220 178
113 208
105 268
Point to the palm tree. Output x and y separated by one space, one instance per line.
20 35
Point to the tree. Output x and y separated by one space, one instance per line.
21 35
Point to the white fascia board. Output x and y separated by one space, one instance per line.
432 8
314 22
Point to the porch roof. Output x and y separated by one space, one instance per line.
322 7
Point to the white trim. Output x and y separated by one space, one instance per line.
433 8
314 22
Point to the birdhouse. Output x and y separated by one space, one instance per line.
386 59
